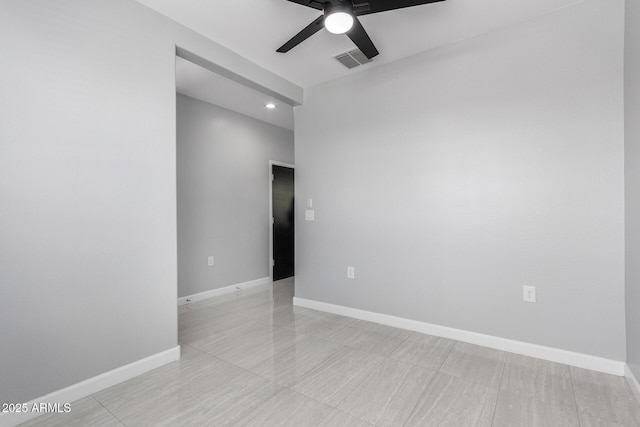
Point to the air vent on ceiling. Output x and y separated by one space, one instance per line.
352 58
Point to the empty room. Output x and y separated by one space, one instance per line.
320 213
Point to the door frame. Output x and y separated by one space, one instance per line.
270 213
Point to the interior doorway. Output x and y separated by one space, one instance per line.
282 220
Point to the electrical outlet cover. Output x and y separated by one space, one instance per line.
529 293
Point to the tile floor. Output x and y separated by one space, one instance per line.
255 360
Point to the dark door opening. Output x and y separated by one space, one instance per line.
282 186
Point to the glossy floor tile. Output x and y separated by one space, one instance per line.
315 325
287 409
340 419
338 375
197 390
423 350
540 380
365 340
520 410
381 329
289 364
604 397
387 396
451 401
476 364
253 359
85 412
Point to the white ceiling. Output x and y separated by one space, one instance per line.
256 28
200 83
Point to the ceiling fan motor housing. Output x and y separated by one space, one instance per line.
338 18
345 7
346 20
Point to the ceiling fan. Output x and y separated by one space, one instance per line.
341 16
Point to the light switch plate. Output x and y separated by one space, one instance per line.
309 215
351 273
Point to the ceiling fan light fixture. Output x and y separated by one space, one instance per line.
338 19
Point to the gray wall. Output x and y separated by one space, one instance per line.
632 180
88 263
223 194
452 178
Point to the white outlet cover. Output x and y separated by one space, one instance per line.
529 293
309 215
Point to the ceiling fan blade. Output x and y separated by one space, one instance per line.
366 7
359 36
306 32
310 3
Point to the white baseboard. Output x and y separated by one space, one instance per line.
633 382
226 290
579 360
93 385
